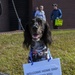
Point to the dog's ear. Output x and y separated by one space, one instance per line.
47 34
27 37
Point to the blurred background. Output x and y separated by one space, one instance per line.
25 8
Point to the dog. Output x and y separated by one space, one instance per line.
37 36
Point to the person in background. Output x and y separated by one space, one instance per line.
56 14
36 9
40 13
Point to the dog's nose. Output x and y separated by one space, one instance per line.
35 28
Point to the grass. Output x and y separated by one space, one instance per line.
13 55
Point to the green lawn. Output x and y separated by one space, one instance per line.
13 56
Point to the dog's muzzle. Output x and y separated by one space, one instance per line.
34 28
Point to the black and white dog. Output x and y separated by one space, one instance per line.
36 36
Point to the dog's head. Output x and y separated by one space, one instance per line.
38 29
